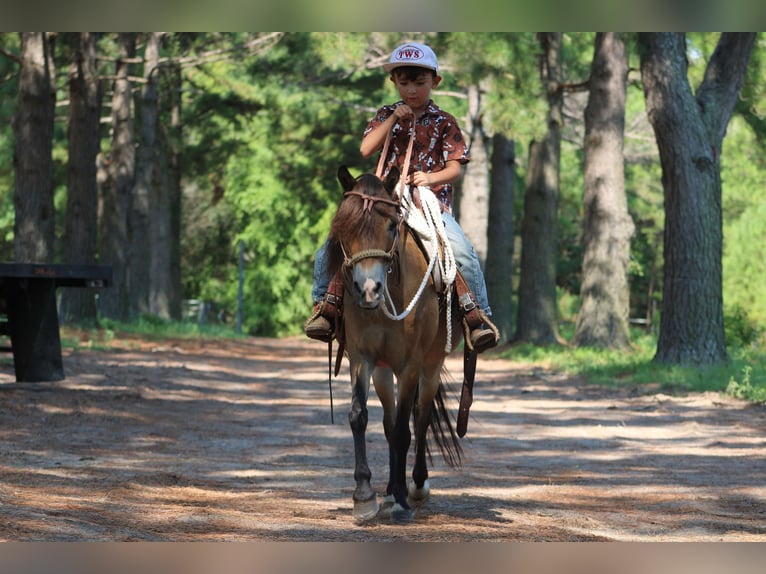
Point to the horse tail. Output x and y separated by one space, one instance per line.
443 430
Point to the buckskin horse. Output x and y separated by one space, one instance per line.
382 266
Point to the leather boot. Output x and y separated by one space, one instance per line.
321 324
483 337
318 326
480 333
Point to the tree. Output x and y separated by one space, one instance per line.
607 226
170 145
689 128
497 71
34 231
80 225
500 235
118 184
267 118
140 231
473 207
750 101
537 310
156 200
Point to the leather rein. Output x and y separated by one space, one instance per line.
371 200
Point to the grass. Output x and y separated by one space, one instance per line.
744 376
146 328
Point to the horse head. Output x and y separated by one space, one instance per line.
365 231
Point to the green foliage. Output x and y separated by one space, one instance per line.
266 129
569 232
739 329
278 189
744 205
746 388
8 90
281 122
144 328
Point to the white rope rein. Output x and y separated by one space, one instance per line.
429 226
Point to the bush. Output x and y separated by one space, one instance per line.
739 328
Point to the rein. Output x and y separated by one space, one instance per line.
428 226
407 157
423 215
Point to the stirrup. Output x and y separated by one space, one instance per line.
318 327
482 337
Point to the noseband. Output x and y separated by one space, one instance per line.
369 203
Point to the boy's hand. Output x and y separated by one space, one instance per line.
403 112
419 178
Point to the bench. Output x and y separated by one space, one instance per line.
28 302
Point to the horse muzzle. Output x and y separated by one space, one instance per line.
368 287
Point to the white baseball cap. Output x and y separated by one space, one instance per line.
412 54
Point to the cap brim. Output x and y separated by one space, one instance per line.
388 67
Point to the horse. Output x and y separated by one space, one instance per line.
382 264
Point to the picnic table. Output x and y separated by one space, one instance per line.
29 316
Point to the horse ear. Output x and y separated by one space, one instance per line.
347 180
391 179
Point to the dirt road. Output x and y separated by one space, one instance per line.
232 440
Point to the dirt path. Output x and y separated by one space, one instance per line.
232 441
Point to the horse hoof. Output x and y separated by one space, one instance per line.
366 510
387 506
418 495
401 515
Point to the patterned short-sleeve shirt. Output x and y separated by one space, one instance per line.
437 139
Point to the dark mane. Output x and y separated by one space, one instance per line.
354 220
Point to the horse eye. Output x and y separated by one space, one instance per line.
392 224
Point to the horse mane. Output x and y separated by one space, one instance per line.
354 220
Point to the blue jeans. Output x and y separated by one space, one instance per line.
467 261
321 275
465 256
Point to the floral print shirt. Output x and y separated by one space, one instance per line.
437 139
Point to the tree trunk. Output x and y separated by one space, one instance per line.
537 318
113 302
34 225
165 295
140 228
161 240
80 226
473 207
607 227
689 129
172 143
500 236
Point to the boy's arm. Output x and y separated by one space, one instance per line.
373 141
449 174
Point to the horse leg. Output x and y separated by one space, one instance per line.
383 379
365 501
420 488
400 445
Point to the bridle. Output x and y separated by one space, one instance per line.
369 203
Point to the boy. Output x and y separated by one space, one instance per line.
438 155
